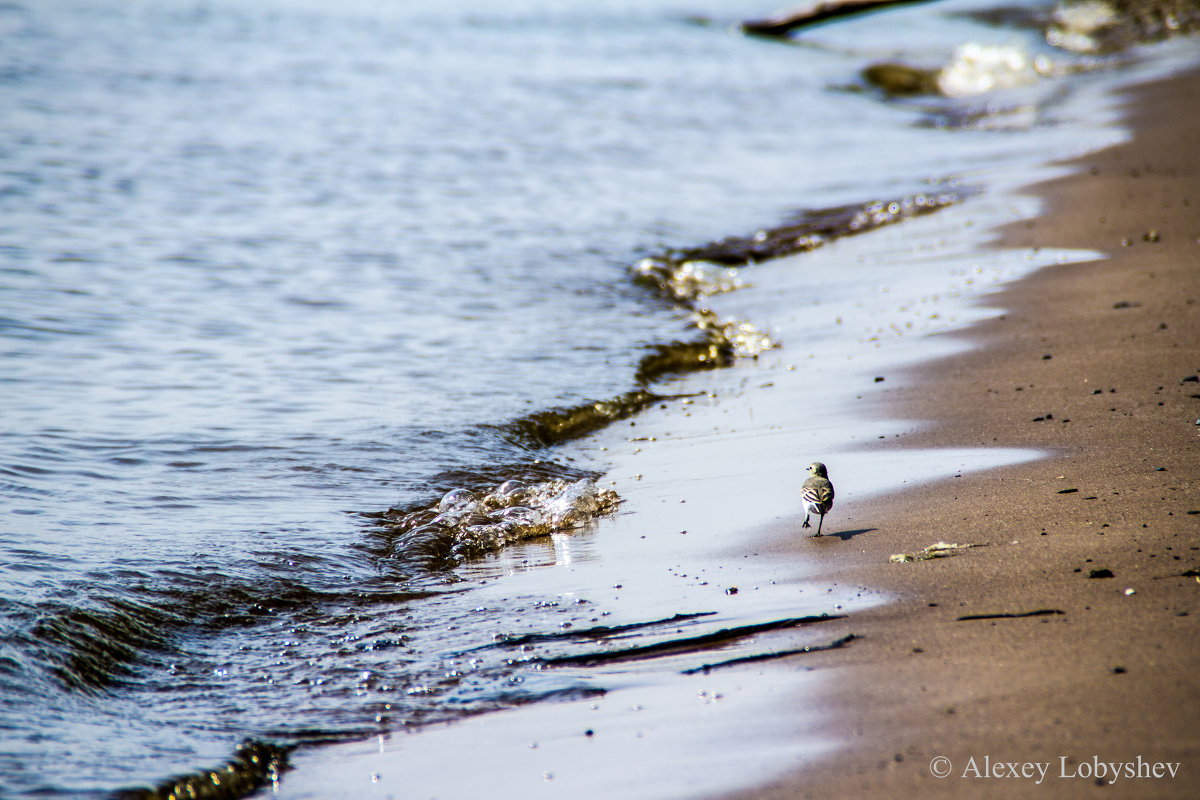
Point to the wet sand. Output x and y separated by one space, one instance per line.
1096 364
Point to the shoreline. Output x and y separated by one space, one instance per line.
718 511
1093 364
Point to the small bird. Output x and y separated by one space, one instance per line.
817 495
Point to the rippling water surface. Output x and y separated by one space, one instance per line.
269 270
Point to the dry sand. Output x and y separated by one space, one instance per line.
1094 362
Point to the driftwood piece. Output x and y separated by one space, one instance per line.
785 23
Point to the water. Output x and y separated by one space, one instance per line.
268 271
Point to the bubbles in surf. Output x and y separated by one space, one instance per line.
1075 25
743 338
877 214
687 280
978 68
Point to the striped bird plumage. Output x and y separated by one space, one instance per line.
817 495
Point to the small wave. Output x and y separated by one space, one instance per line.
92 648
722 344
558 425
680 274
710 352
466 524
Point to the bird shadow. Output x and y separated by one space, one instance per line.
847 535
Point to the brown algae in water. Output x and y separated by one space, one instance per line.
562 424
742 338
254 765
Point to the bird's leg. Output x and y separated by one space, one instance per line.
806 525
820 522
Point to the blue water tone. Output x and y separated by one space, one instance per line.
268 267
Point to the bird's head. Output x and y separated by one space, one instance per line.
817 470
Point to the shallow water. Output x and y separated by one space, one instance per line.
267 272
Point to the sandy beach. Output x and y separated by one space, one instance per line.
1056 430
1070 640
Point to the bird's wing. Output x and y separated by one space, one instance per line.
816 490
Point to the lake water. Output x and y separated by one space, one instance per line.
270 270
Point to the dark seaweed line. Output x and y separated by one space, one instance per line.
681 645
598 632
733 662
255 765
557 425
1041 612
